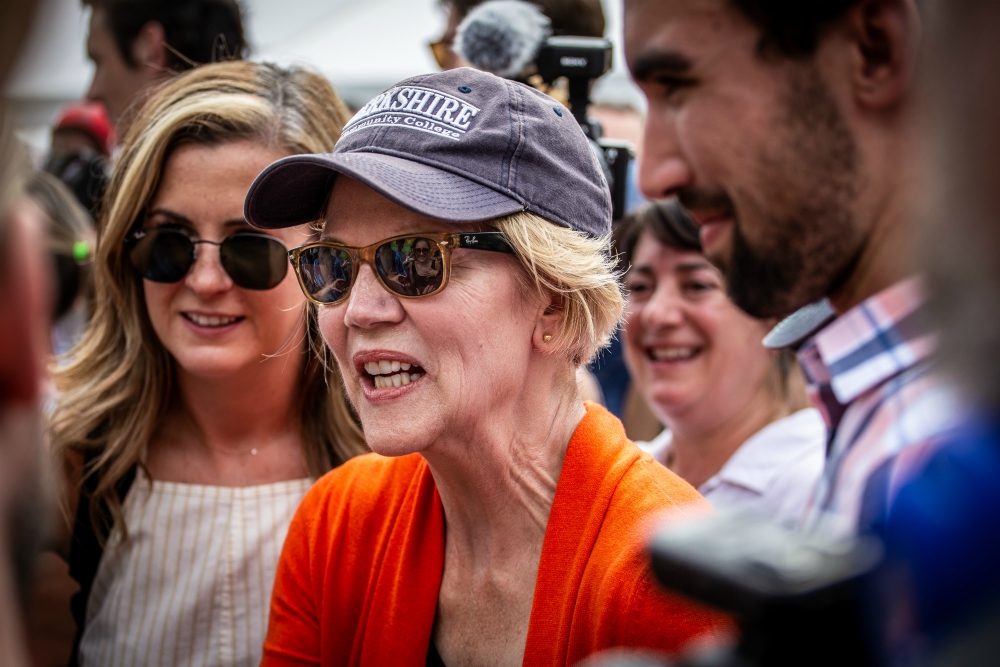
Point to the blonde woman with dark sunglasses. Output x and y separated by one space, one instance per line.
195 413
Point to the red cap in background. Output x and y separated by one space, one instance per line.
91 118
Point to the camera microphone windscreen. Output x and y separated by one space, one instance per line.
502 36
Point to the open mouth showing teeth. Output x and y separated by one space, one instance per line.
386 373
205 321
673 353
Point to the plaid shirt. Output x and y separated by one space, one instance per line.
869 374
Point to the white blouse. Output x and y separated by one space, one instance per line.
771 475
192 583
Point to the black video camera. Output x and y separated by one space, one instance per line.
798 599
582 60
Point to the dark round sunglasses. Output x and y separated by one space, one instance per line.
165 255
409 266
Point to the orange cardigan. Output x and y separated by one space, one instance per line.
359 576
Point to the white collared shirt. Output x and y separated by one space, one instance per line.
772 474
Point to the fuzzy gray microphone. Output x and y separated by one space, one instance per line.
502 36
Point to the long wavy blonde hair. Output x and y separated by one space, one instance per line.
117 384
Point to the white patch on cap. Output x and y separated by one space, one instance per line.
416 108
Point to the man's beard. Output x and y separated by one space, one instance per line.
803 197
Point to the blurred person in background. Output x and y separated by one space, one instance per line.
738 426
937 507
136 45
82 142
197 409
500 520
580 18
71 236
83 126
788 131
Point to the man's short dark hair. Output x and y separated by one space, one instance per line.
196 31
792 28
581 18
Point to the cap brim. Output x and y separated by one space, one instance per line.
294 190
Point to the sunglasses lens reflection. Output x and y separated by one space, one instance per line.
411 266
163 256
254 261
326 273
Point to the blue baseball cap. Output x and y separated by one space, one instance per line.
459 146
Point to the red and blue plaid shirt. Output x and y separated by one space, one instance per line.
869 373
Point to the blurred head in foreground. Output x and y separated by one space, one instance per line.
24 322
961 241
938 591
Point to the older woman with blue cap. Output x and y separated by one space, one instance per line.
500 520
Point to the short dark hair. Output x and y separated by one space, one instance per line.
197 31
582 18
669 223
792 28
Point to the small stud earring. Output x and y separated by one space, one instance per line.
547 338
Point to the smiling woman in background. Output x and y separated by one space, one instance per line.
193 415
738 428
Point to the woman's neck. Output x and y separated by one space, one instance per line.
497 483
257 403
239 430
702 442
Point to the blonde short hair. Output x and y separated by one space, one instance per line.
578 268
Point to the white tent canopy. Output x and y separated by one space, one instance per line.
362 46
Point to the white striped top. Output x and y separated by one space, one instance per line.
192 583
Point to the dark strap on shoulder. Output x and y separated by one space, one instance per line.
85 548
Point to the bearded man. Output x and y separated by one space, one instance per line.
788 129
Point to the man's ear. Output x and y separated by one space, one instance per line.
149 49
886 37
